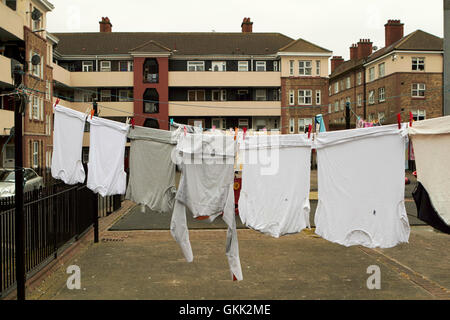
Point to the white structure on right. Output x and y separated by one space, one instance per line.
361 177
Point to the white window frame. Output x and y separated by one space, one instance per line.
291 67
105 66
303 123
127 99
130 66
275 66
103 94
35 155
318 97
195 66
291 97
305 97
359 100
291 125
305 67
243 66
318 67
259 96
36 70
420 87
359 78
196 95
348 82
35 107
371 74
417 62
381 70
342 104
336 106
47 90
372 97
260 66
381 94
329 108
417 114
221 66
86 65
336 87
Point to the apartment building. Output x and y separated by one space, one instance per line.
225 80
25 43
406 75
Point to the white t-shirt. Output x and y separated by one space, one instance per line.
361 177
274 197
67 145
106 174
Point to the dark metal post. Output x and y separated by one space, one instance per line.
347 115
19 213
95 196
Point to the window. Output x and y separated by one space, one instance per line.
125 95
336 106
329 108
336 87
243 66
47 90
329 90
151 105
275 66
89 97
260 66
218 123
418 64
381 116
348 82
359 78
291 67
261 95
291 125
123 66
36 69
276 94
196 66
219 95
304 67
130 65
342 104
219 66
381 70
318 97
242 95
105 95
303 124
196 95
88 66
381 95
418 115
291 97
304 97
35 154
418 90
105 66
359 100
318 67
372 74
35 108
371 96
37 24
242 123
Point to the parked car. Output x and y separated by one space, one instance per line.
7 182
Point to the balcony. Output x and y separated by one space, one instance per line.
61 75
6 122
93 79
224 79
224 108
5 71
11 24
105 109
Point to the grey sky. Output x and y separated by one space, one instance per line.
332 24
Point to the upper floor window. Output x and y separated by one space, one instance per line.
381 94
329 90
359 78
336 87
151 101
342 104
219 66
304 97
318 97
359 100
291 67
37 24
88 66
303 124
125 66
291 97
304 68
260 66
125 95
381 117
151 70
243 66
336 106
219 95
105 95
242 95
275 66
371 74
318 67
196 95
418 64
348 82
105 66
276 94
196 66
36 69
371 96
418 90
381 70
291 125
260 95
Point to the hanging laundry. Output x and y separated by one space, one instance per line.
106 174
206 189
67 145
431 141
361 181
152 170
274 197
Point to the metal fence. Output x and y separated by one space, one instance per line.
54 216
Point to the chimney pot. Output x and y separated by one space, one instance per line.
105 25
247 25
393 31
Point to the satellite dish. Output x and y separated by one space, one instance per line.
36 14
35 60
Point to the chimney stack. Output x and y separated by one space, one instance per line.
247 25
336 61
364 48
353 52
105 25
393 31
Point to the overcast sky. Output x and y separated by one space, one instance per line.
332 24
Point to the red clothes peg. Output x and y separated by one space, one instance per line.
185 130
92 113
56 103
309 131
235 133
245 130
132 123
410 119
399 120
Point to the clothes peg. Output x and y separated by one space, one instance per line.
411 119
132 123
235 133
92 113
213 128
56 102
399 120
309 131
171 121
245 130
185 130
